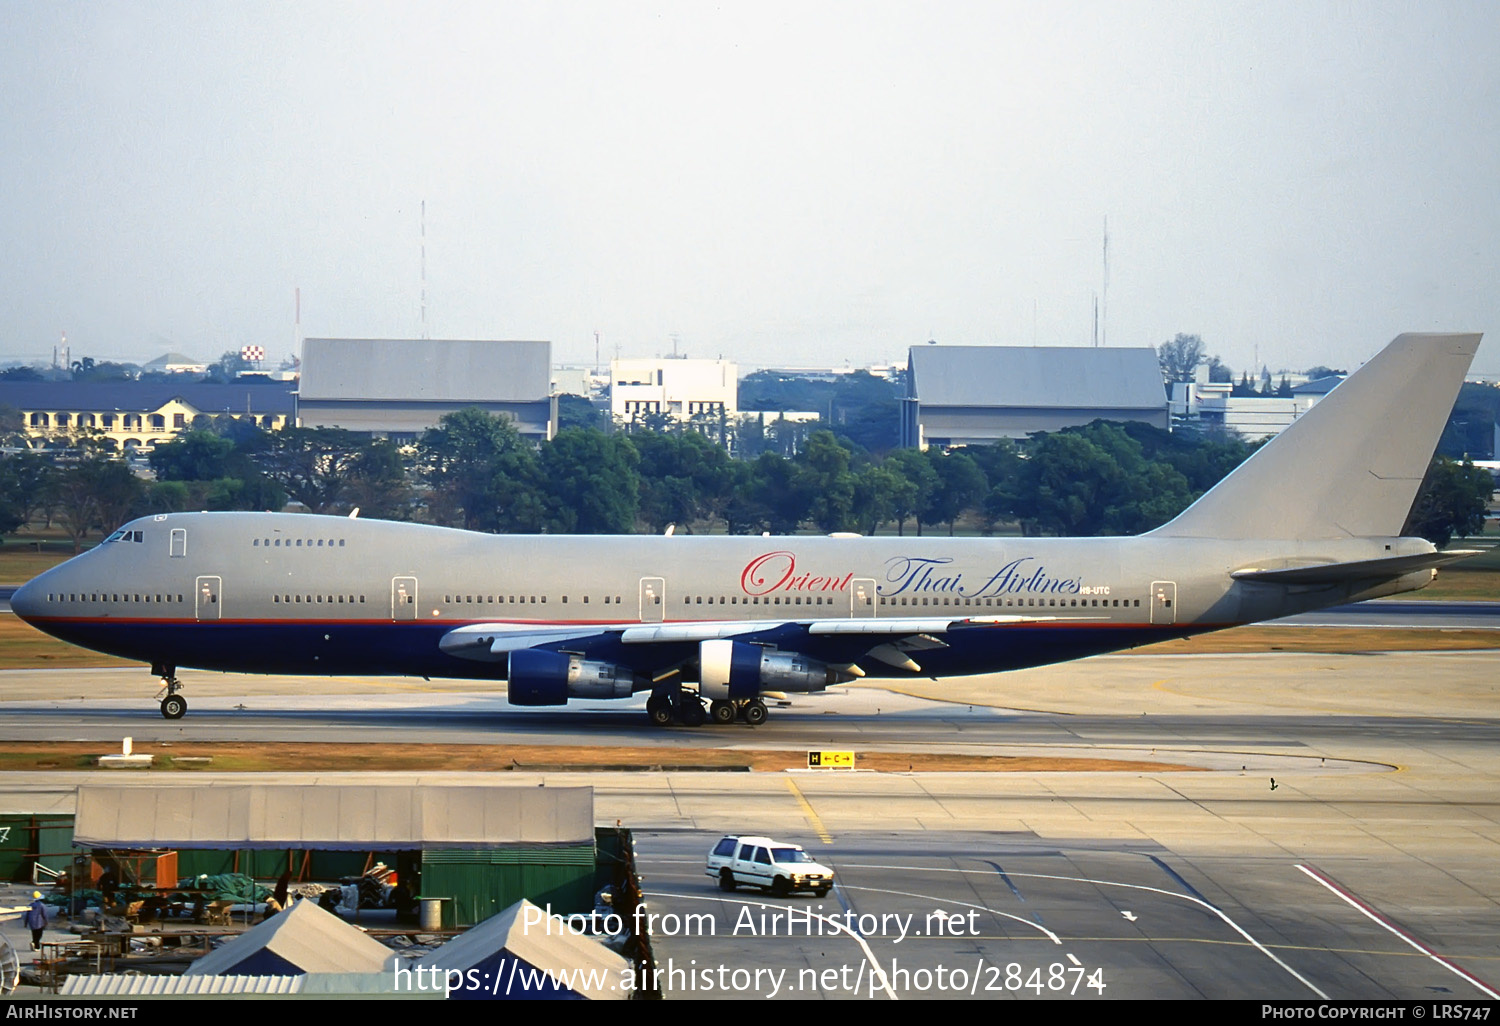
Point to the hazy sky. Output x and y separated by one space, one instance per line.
807 183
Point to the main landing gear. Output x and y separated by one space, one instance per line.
686 708
173 705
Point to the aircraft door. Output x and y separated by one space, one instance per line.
206 594
178 544
403 598
863 597
1163 602
653 599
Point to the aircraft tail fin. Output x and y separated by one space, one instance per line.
1351 465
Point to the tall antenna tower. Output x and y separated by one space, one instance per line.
1104 290
424 269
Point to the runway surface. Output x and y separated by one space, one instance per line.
1334 829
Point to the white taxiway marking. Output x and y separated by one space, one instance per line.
1376 917
1135 887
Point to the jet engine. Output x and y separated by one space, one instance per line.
539 677
734 670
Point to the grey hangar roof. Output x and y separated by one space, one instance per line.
332 817
1070 377
960 395
425 370
405 386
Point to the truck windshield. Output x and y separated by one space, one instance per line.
789 855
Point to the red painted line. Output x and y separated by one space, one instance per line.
1393 928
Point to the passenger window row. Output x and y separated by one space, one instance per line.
886 600
513 600
110 597
298 542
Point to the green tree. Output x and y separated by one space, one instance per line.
378 484
481 473
1180 357
194 456
25 487
921 481
12 510
779 502
312 465
1453 501
593 486
96 492
684 477
227 367
577 411
960 486
1095 480
876 487
823 475
1001 466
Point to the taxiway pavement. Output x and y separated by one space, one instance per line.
1334 827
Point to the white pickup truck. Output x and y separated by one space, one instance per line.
762 862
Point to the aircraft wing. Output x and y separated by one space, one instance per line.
493 642
1357 570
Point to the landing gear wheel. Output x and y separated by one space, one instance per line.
756 713
722 712
726 880
660 711
173 706
690 711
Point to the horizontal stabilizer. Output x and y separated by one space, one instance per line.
1358 570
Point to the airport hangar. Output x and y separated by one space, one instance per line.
478 848
399 388
975 395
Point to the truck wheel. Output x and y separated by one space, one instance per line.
726 880
779 887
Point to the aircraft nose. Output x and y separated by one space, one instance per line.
26 601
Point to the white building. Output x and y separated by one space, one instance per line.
1210 405
568 380
679 389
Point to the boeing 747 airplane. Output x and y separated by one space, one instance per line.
1311 520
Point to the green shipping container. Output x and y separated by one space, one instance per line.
477 884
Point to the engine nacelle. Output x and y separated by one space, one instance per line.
539 677
733 670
